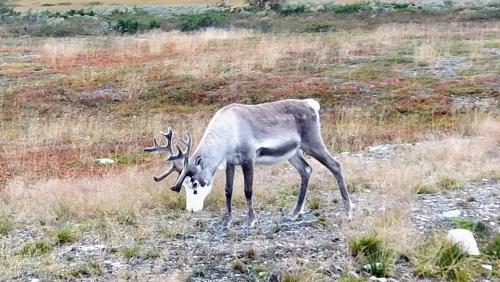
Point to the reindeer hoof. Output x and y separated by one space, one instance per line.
251 222
226 222
295 215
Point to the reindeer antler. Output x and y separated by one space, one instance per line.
180 168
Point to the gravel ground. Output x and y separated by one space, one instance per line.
204 251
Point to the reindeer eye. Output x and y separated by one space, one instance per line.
198 160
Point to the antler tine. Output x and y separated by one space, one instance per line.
180 154
171 169
155 147
188 143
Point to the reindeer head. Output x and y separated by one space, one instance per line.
191 174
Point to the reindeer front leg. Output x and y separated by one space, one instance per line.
226 219
247 167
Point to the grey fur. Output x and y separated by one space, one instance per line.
267 133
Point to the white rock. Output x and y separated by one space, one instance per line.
487 267
91 248
465 239
105 161
373 278
451 214
368 266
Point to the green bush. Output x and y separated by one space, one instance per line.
193 22
154 24
318 27
127 26
286 9
6 8
350 8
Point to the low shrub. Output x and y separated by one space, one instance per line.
191 22
127 26
350 8
318 27
286 9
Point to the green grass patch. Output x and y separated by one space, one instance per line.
492 248
66 234
350 8
238 265
315 203
88 269
6 224
206 19
131 252
479 228
35 248
423 189
318 27
370 251
449 183
437 257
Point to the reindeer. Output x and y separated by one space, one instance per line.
249 135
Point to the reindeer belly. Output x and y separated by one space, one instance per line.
268 155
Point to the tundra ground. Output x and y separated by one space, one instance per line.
410 109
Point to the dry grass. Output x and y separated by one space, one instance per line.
49 157
72 4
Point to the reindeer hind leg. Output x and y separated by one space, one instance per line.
305 172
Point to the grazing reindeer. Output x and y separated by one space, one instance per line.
248 135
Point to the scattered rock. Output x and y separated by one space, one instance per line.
451 214
105 161
465 239
487 267
379 279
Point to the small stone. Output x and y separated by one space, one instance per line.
105 161
379 279
465 239
487 267
451 214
